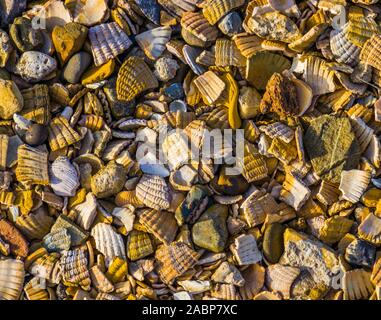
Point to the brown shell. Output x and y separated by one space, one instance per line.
196 30
254 276
225 292
74 269
214 10
36 104
61 134
227 54
153 192
357 284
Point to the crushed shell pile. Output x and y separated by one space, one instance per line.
84 82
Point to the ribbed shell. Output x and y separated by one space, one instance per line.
278 130
214 10
100 281
245 250
248 44
294 192
254 276
11 279
108 41
4 141
61 134
162 224
254 164
353 184
57 240
363 133
176 150
371 52
32 166
47 266
280 278
319 77
225 292
178 8
34 290
117 270
328 193
370 229
134 77
360 30
357 284
86 211
343 50
108 242
128 197
92 122
64 178
174 260
210 86
74 269
227 54
36 104
376 273
153 192
35 225
139 245
153 42
196 29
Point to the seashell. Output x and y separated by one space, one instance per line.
308 39
92 122
34 290
108 41
108 242
245 250
196 30
125 215
124 198
57 240
195 286
353 184
266 295
225 292
261 66
162 224
174 260
248 44
117 270
77 235
153 42
73 265
254 276
32 166
64 178
36 104
61 134
294 192
54 13
210 86
369 52
370 229
304 95
278 130
342 48
86 211
280 278
88 12
328 193
254 167
334 229
178 8
11 279
227 54
229 274
134 77
363 133
150 9
100 281
176 150
153 192
373 152
11 236
139 245
214 10
35 225
357 285
190 55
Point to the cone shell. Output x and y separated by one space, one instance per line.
174 260
254 276
32 166
86 211
162 224
254 164
353 184
57 240
225 292
139 245
357 284
245 250
227 54
11 279
153 42
61 134
134 77
107 42
108 242
153 192
210 86
196 30
64 178
74 269
280 278
214 10
35 225
370 229
294 192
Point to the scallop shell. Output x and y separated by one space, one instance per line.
227 54
280 278
370 52
57 240
174 260
176 150
100 281
370 229
108 242
190 55
294 192
11 279
214 10
353 184
134 77
86 211
117 270
32 166
363 133
229 274
153 42
210 86
178 7
162 224
61 134
254 167
35 225
254 276
196 30
342 48
88 12
47 266
64 178
153 192
34 290
74 269
245 250
334 229
278 130
139 245
248 44
357 284
225 292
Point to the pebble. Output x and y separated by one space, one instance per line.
231 24
165 69
35 66
11 100
76 66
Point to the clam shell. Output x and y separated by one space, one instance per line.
176 150
328 193
139 245
342 48
35 225
73 264
61 134
278 130
280 278
190 55
225 292
88 12
11 279
134 77
100 281
363 133
153 42
229 274
196 30
245 250
214 10
153 192
86 211
174 260
334 229
357 285
64 178
227 54
370 229
108 242
353 184
107 42
210 86
162 224
248 44
254 276
294 192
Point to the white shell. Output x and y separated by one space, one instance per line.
90 12
175 149
195 286
153 42
294 192
363 133
245 250
353 184
280 278
370 229
372 153
125 215
278 129
86 211
64 178
190 56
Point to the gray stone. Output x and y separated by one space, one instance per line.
76 66
35 66
231 24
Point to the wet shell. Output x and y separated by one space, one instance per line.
280 278
74 269
153 42
153 192
370 229
11 279
210 86
162 224
254 166
214 10
64 178
174 260
227 54
86 211
254 276
100 281
196 30
139 245
108 242
294 192
107 42
32 166
134 77
35 225
353 184
225 292
245 250
57 240
357 285
61 134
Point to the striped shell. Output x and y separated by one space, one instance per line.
278 130
124 198
214 10
61 134
254 167
36 104
210 86
318 76
64 178
344 50
86 211
57 240
100 281
134 77
74 269
225 292
363 133
153 42
11 279
107 42
196 30
4 142
357 284
227 54
280 278
153 192
294 192
370 53
34 290
370 229
117 270
139 245
248 44
353 184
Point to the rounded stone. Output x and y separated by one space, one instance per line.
76 66
175 91
11 100
36 135
229 184
371 197
35 66
231 24
166 68
273 246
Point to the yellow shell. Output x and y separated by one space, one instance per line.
139 245
36 104
309 39
248 44
283 151
128 197
370 53
252 132
196 30
36 225
294 192
34 290
227 54
218 118
334 229
319 17
370 229
117 270
214 10
92 122
7 198
254 164
4 141
32 166
360 30
11 279
319 77
61 134
97 74
134 77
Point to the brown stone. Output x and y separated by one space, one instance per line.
11 235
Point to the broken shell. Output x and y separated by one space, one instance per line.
139 245
245 250
73 265
280 278
153 192
254 276
214 10
88 12
353 184
210 86
153 42
86 211
57 241
12 275
357 285
228 273
196 30
64 178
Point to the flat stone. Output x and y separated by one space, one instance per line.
76 66
11 100
97 74
108 180
35 66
